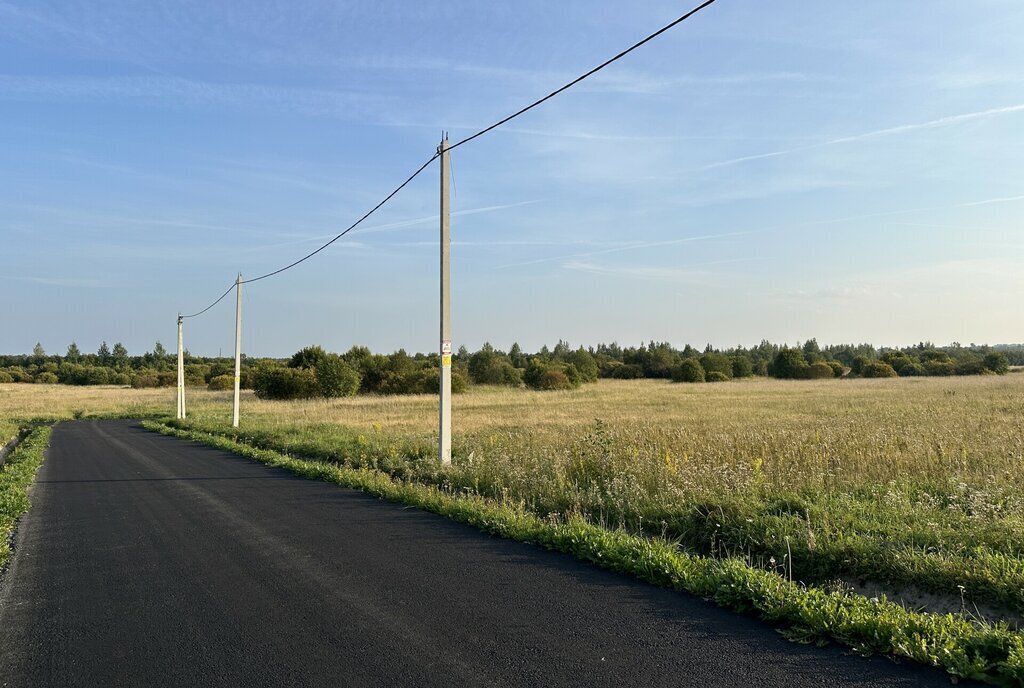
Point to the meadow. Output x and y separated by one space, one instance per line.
907 488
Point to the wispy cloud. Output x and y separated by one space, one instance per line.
629 247
878 133
695 273
177 91
73 282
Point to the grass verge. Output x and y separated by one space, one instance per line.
963 648
15 477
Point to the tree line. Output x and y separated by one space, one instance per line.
313 371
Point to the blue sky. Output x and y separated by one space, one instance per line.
845 171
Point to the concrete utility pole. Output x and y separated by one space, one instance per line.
238 349
444 435
181 372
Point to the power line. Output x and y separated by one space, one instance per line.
465 140
351 226
219 299
581 77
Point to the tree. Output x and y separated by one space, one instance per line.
309 357
103 354
516 356
789 364
73 355
120 355
38 354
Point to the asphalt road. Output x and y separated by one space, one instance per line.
150 561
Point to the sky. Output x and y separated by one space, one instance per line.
846 171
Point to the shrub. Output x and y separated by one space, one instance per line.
585 363
878 369
935 366
819 370
629 371
551 376
428 381
167 378
272 382
858 363
717 376
46 379
933 355
741 366
837 368
970 366
896 359
143 380
716 363
690 370
789 364
5 377
220 383
486 367
911 369
997 363
336 378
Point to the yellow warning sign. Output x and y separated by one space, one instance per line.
446 360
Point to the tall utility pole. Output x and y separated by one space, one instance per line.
181 372
238 349
444 435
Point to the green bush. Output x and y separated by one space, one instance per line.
46 379
911 369
144 380
690 370
5 377
819 370
335 377
837 368
858 363
630 371
219 383
878 369
970 366
487 367
997 363
273 382
789 364
716 363
717 376
551 376
934 366
741 366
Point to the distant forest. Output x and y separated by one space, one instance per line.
313 371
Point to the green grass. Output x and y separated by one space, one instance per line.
15 477
8 429
962 647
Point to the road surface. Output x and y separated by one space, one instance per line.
151 561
